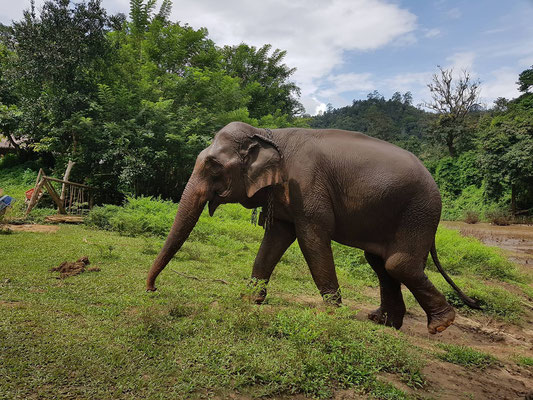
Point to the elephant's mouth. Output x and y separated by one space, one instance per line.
218 199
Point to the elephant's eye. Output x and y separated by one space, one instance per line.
214 167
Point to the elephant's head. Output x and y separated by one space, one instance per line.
240 161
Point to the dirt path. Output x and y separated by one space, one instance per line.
32 228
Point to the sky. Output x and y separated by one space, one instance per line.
344 49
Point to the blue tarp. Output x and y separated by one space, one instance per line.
6 201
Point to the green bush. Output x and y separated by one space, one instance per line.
499 217
138 216
471 217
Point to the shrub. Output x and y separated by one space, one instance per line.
499 217
471 217
141 215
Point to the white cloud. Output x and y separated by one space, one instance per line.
409 81
454 13
526 61
316 34
431 33
502 83
461 61
350 82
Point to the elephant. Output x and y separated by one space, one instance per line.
319 185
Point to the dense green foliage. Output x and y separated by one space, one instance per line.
393 120
131 101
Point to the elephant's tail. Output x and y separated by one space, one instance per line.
467 300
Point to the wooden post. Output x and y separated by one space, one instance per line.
41 172
65 178
54 196
35 196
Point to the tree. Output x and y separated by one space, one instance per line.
131 100
507 153
265 78
525 80
394 120
452 100
60 56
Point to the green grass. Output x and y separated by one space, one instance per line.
466 356
524 361
461 255
99 335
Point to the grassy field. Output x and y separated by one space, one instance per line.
100 335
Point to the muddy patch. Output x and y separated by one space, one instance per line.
67 268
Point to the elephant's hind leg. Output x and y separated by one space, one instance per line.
409 270
392 308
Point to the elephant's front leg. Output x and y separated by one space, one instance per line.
315 244
278 237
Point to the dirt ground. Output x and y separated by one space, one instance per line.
67 269
32 228
446 381
504 341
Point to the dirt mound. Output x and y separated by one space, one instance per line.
67 268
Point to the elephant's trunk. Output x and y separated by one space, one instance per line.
190 208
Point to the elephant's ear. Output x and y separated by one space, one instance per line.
262 165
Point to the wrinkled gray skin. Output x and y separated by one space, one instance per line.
327 185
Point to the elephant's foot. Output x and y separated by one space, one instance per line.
254 298
256 292
386 317
438 322
332 299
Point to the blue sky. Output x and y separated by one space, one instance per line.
344 49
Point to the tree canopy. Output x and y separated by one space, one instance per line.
131 100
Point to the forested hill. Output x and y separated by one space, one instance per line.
393 120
